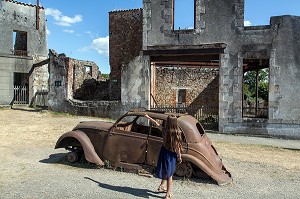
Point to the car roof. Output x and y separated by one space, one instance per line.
156 114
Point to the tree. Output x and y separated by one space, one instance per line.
250 85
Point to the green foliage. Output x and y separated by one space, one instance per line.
250 85
105 76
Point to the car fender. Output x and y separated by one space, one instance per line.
88 148
216 174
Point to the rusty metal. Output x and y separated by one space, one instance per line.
135 143
37 14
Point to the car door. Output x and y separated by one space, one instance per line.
125 145
155 141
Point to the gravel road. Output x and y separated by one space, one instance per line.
31 168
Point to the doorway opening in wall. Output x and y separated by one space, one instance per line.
21 88
255 88
187 84
20 43
184 14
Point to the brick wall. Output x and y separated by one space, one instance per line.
125 43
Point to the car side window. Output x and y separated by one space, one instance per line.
142 121
141 125
125 123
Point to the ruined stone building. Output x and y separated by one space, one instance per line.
23 48
71 79
157 64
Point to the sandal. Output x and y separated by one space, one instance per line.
162 189
168 196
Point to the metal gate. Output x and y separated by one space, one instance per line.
21 95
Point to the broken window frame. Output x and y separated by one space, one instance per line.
254 110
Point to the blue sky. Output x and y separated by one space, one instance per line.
80 28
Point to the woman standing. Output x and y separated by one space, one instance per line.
170 153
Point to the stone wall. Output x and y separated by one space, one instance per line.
125 43
81 72
201 85
65 75
102 109
20 56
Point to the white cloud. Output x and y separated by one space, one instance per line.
247 23
101 44
68 31
48 32
61 19
84 49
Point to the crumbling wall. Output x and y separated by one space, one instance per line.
69 80
81 72
125 44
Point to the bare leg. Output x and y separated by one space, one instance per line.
162 183
162 187
169 184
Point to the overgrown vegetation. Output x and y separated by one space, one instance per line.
105 76
250 85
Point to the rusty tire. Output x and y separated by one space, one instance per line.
72 157
184 169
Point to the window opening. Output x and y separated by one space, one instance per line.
255 88
88 70
183 14
181 97
20 43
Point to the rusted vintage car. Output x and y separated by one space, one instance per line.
133 142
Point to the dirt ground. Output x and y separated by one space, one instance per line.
30 167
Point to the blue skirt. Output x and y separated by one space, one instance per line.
166 164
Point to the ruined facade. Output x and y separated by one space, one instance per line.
219 38
125 43
67 75
77 90
23 48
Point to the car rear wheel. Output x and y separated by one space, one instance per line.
184 169
75 154
72 157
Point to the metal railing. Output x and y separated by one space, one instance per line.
21 95
255 112
207 115
22 53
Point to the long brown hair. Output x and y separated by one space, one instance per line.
173 140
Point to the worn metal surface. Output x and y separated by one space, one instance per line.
132 141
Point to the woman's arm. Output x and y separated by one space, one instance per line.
178 151
152 120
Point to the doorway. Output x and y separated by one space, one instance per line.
21 88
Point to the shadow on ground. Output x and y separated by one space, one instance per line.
60 158
28 109
144 193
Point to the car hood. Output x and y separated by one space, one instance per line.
97 125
